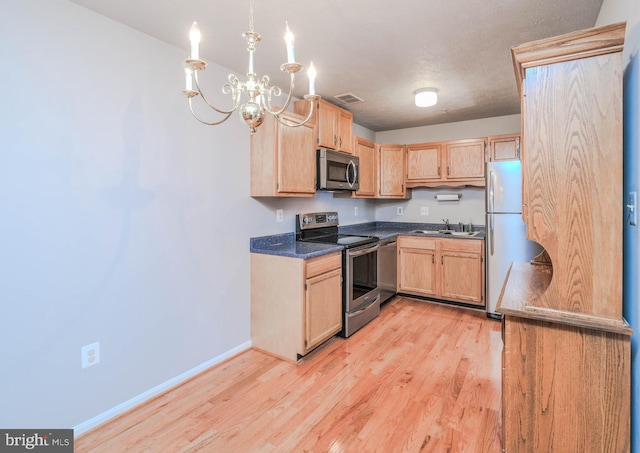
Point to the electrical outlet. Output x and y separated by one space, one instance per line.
355 210
90 354
279 215
424 210
400 210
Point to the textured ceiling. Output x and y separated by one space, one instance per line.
379 50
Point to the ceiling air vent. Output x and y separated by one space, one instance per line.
348 98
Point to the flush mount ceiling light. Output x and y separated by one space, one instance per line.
426 97
258 91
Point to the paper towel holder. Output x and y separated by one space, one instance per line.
448 196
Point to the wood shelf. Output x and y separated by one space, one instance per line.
526 282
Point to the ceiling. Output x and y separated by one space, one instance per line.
378 50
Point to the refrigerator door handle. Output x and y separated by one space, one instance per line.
492 177
491 245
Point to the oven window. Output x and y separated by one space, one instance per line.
364 271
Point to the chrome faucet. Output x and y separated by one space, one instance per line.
446 224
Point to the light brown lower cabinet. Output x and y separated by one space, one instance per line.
296 304
565 388
448 269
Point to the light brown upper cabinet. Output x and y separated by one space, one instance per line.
366 152
452 163
504 147
345 132
333 125
381 171
283 159
423 162
391 165
465 159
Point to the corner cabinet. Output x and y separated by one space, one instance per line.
566 356
283 159
447 269
453 163
296 304
333 125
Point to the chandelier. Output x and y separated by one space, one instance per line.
258 92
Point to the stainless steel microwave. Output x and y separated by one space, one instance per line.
337 170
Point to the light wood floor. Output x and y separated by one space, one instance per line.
420 377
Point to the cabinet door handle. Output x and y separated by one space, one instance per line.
433 259
442 260
438 171
448 172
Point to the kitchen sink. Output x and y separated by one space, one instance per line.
463 233
447 232
427 232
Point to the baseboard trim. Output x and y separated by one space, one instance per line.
155 391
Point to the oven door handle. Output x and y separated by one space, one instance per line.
373 301
364 251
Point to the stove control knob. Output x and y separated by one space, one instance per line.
307 219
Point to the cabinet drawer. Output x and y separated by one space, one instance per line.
322 264
462 245
417 242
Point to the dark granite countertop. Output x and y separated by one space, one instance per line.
385 230
286 245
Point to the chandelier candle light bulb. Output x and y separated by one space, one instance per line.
311 72
288 38
194 38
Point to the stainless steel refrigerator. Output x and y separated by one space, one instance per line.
505 239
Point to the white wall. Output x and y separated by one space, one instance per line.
470 208
509 124
124 220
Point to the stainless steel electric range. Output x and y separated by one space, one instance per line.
360 295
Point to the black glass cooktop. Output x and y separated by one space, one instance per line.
343 239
